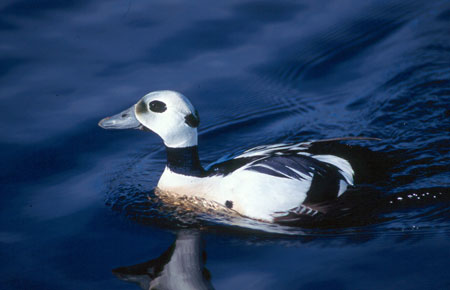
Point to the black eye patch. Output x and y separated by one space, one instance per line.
157 106
192 119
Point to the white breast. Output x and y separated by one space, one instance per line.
252 194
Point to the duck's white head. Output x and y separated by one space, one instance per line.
167 113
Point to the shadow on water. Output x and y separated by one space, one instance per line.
181 266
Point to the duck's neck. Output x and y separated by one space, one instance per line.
184 161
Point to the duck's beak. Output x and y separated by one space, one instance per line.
124 120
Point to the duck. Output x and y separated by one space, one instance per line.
270 183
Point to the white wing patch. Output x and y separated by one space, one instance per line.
344 167
266 150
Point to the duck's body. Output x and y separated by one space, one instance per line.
265 183
262 183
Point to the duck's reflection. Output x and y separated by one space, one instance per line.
181 266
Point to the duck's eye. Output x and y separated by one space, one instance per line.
157 106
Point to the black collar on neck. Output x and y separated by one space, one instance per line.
184 161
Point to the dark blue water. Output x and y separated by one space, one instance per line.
73 202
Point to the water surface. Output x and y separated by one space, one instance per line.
74 197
